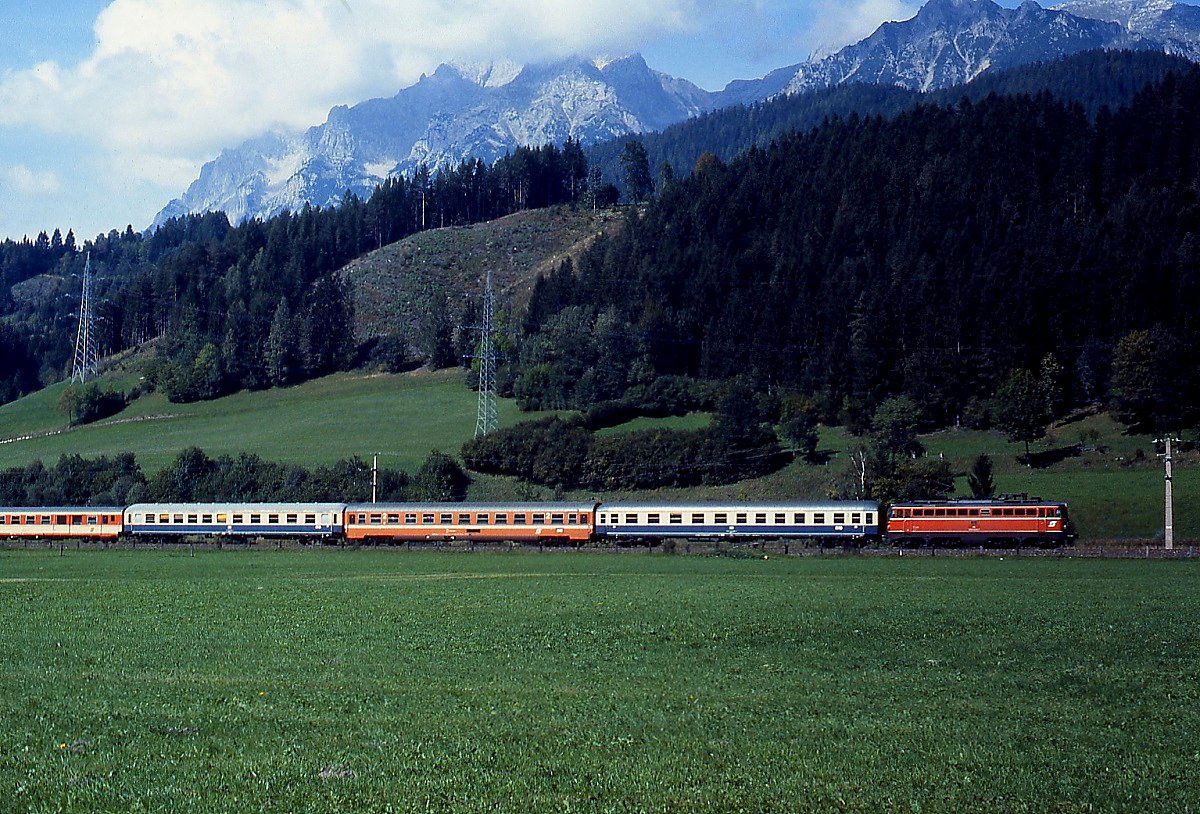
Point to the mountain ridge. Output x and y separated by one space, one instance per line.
482 111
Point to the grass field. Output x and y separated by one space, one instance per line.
323 681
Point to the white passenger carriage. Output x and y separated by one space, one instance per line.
236 519
829 520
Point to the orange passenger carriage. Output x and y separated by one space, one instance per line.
61 523
980 522
550 523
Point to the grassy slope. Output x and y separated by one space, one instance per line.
402 417
393 285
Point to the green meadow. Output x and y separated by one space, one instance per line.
401 417
322 680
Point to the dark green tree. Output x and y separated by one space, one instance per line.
1021 408
979 479
635 166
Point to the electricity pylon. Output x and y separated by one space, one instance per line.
87 357
486 420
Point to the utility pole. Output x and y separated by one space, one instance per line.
1169 512
375 478
486 419
87 358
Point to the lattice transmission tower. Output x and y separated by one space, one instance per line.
87 356
486 419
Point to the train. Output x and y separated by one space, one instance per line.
1024 521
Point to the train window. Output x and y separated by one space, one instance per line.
631 518
855 518
193 518
255 518
985 512
177 519
839 517
445 517
376 519
780 518
501 519
760 517
585 518
721 517
973 513
410 518
221 518
870 518
573 519
393 519
1058 511
652 518
741 517
939 512
819 518
273 519
310 519
237 517
557 519
697 518
519 518
798 518
464 518
677 518
539 519
293 519
427 518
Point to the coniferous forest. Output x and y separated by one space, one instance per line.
931 255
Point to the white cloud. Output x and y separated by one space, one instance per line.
837 23
172 83
21 180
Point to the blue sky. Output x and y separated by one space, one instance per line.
109 108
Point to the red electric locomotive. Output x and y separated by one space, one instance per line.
980 522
